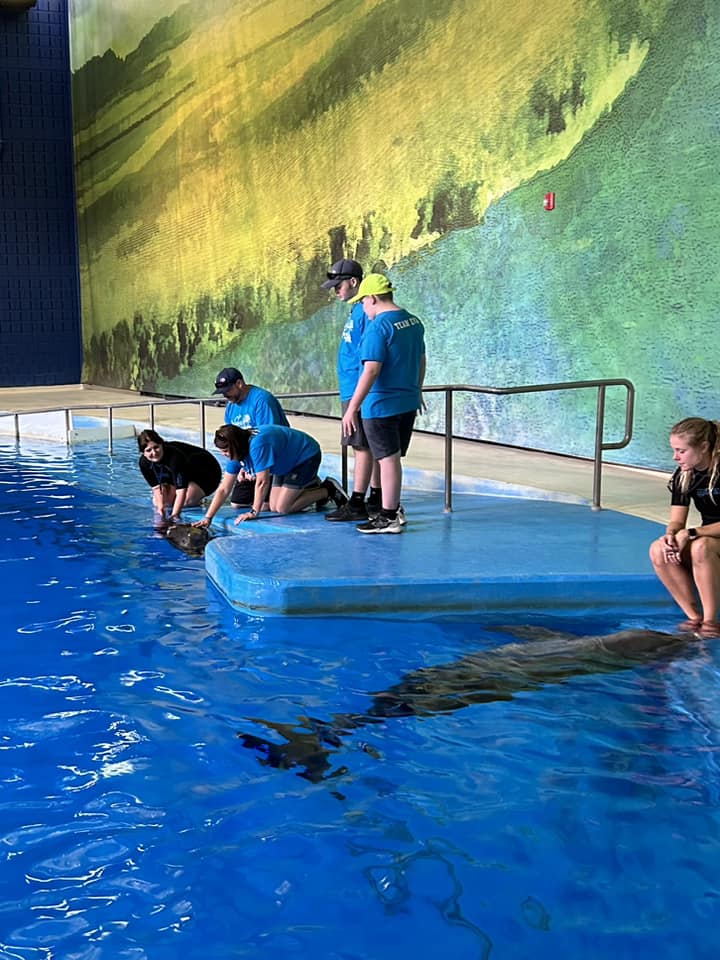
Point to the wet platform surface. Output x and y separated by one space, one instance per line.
491 553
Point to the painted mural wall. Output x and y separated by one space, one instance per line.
228 152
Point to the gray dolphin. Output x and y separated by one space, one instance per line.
191 540
480 677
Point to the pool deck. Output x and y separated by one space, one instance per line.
507 545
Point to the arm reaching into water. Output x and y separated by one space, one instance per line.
219 498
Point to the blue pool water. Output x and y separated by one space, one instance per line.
578 818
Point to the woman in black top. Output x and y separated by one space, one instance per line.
180 474
687 559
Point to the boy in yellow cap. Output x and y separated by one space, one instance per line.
388 393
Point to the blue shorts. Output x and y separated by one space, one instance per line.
305 474
390 435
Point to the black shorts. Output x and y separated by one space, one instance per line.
243 493
390 435
357 440
206 472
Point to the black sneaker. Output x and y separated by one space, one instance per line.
381 524
323 502
373 507
335 491
348 513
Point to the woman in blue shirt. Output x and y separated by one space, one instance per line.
285 464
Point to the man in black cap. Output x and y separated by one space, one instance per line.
247 407
344 279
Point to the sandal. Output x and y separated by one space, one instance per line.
709 630
690 626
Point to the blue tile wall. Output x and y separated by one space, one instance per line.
40 331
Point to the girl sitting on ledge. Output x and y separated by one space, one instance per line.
687 559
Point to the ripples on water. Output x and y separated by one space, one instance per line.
576 818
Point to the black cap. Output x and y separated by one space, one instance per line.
342 270
226 378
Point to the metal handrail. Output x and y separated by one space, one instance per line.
448 389
601 386
125 405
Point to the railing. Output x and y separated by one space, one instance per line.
600 445
94 407
448 389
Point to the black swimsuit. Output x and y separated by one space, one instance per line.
707 501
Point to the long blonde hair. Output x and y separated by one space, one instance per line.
697 432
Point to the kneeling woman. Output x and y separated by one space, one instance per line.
180 474
687 560
285 463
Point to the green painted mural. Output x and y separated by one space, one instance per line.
226 153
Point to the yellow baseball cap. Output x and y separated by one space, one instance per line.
374 285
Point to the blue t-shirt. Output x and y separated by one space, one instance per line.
259 407
277 449
396 339
349 365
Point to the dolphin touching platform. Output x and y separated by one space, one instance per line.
191 540
489 675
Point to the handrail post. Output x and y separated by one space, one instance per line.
202 423
344 466
17 428
68 427
152 416
110 430
599 431
448 448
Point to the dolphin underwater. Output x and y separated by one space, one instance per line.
191 540
482 677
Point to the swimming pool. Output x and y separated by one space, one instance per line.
579 817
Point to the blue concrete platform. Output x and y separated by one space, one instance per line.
492 553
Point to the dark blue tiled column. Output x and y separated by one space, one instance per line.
40 333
